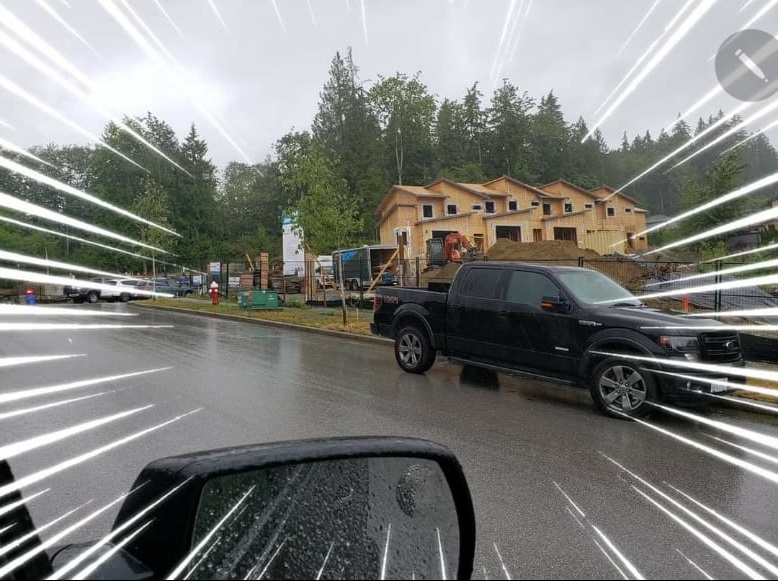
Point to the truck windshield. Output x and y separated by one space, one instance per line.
591 287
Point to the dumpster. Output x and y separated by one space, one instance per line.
258 299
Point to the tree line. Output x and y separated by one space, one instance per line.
333 174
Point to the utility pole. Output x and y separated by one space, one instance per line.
398 154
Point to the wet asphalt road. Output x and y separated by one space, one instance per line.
529 450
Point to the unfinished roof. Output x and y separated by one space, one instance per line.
571 185
610 191
533 189
465 187
484 190
417 191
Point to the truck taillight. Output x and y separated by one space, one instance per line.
377 302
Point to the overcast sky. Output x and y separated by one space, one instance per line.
260 74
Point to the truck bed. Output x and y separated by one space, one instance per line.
396 307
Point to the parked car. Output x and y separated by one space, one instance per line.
88 294
125 290
167 286
572 326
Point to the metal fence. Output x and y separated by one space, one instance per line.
643 278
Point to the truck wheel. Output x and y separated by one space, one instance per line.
124 297
93 297
413 351
621 389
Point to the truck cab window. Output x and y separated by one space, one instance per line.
528 288
482 283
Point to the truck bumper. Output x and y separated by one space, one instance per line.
698 384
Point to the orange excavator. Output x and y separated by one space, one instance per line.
456 247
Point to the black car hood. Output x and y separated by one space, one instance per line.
644 318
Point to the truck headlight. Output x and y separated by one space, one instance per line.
688 347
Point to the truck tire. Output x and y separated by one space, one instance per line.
621 389
413 351
124 297
93 297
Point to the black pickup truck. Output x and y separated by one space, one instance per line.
570 325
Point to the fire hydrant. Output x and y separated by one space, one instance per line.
30 296
214 293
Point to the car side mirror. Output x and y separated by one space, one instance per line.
335 508
554 304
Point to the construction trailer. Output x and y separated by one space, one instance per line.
366 267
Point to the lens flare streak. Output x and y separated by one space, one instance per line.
638 27
17 448
8 327
732 284
758 454
34 210
324 564
5 549
12 147
386 552
733 525
748 466
55 539
31 277
25 259
169 19
442 560
38 391
31 99
20 169
701 7
75 461
695 565
610 559
56 16
169 63
11 361
740 192
86 571
86 97
208 552
632 569
273 558
25 501
502 563
45 311
762 374
721 551
699 520
206 539
21 412
364 18
732 270
81 557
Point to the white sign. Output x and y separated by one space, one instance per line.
197 280
234 281
294 257
215 267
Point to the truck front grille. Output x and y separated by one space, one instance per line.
720 347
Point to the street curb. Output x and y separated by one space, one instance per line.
278 324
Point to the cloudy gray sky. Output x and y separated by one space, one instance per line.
262 75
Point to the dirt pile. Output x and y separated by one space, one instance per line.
443 274
504 249
565 253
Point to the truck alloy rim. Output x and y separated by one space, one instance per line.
410 349
622 388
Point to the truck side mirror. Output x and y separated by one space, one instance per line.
353 507
554 304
